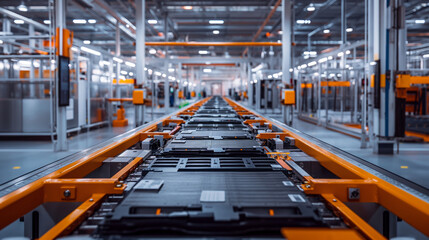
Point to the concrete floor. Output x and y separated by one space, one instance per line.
18 157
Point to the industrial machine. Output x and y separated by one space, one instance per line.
214 169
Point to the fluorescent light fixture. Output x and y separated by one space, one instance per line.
164 75
311 9
131 74
22 7
187 7
1 41
118 60
312 63
145 68
79 21
348 52
124 72
372 63
326 31
152 21
270 76
89 50
92 21
203 52
275 75
207 70
316 74
302 21
303 66
322 60
74 49
330 58
86 42
171 70
215 31
340 54
130 64
158 73
216 21
47 22
420 21
349 30
426 56
18 21
152 51
290 69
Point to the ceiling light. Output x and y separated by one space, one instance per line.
74 49
164 75
89 50
348 52
158 73
323 60
340 54
118 60
203 52
215 31
86 42
47 22
152 51
131 74
349 30
18 21
187 7
312 64
326 31
171 70
330 58
152 21
302 21
1 41
424 56
216 21
92 21
130 64
79 21
124 72
207 70
22 7
270 76
280 32
311 9
420 21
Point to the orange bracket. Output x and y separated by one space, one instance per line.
79 190
281 135
340 187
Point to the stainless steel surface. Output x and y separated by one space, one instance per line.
11 115
35 115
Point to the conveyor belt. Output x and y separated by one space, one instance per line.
213 169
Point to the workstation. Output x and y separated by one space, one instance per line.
272 119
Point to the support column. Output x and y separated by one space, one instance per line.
166 65
286 39
249 85
140 41
61 128
118 54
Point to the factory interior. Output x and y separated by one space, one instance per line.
245 119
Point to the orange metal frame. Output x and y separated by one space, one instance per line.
89 191
408 207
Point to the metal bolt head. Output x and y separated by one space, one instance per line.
119 185
67 193
334 200
308 186
91 200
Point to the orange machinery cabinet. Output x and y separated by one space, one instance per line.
288 97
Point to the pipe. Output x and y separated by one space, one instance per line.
214 44
263 24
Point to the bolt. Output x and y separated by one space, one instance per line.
67 193
334 200
119 185
308 186
91 200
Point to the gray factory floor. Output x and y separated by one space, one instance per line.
18 157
